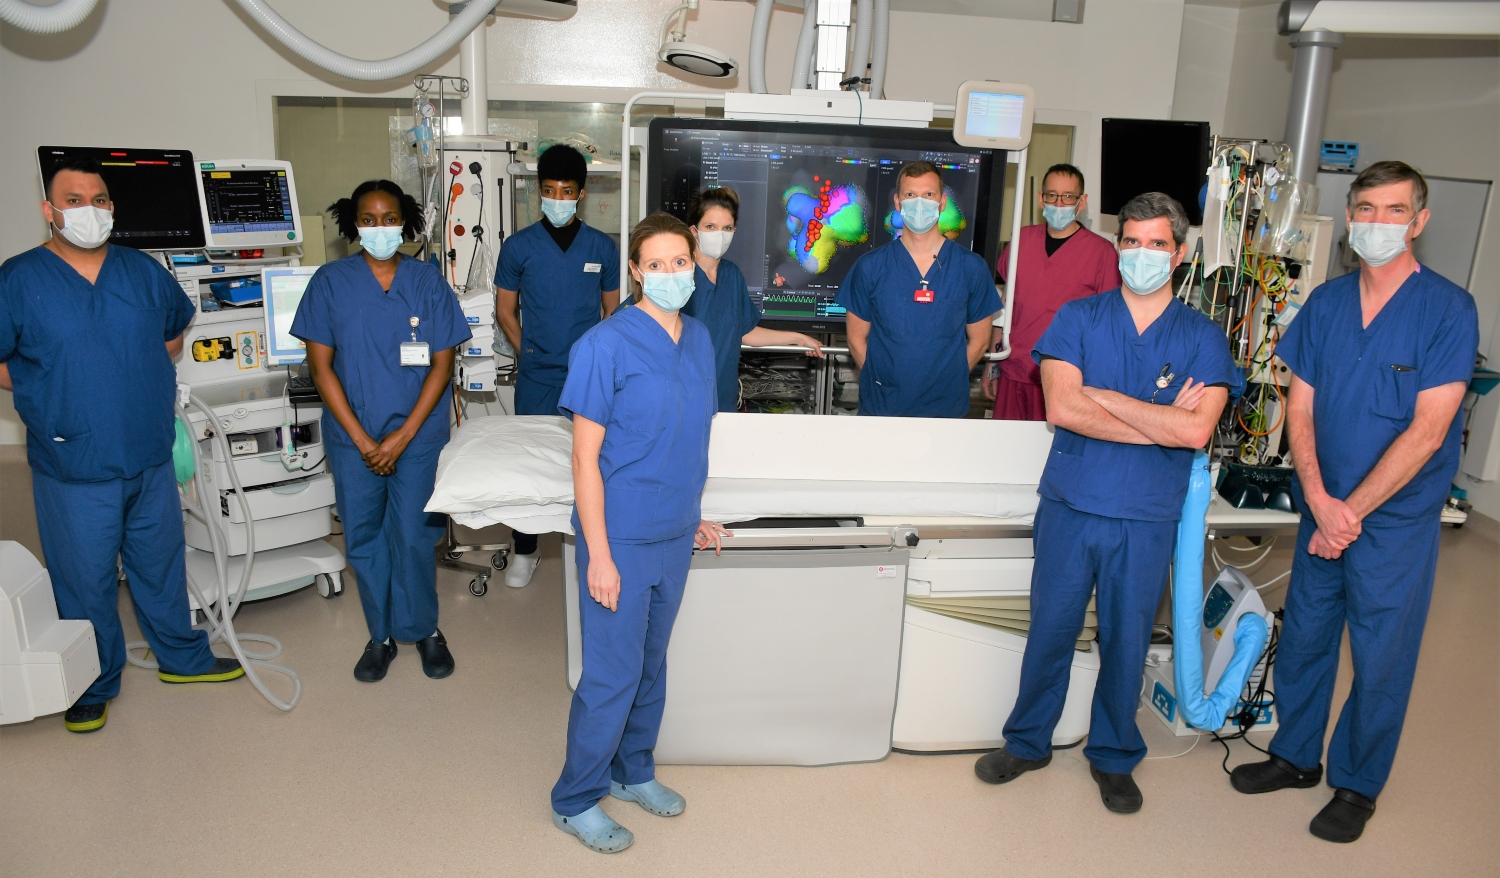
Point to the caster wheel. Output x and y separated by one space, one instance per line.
453 556
500 559
479 585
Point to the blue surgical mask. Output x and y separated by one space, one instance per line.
380 241
559 211
919 214
1378 243
1144 270
1059 217
668 290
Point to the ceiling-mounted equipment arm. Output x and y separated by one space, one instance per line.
60 16
304 47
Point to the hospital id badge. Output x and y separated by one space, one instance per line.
414 353
923 295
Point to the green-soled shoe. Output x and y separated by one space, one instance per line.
86 717
221 670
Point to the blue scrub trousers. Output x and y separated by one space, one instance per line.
617 707
1381 587
85 528
389 540
532 398
1127 561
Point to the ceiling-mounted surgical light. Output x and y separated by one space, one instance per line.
693 58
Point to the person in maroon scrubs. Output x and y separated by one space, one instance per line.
1060 261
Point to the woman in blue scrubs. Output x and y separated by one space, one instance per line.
380 330
721 300
640 390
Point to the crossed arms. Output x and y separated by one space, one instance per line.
1114 417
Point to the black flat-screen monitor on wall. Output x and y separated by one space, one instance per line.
1153 155
155 192
813 198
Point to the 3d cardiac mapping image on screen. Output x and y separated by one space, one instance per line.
814 198
823 219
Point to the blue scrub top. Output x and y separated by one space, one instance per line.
1366 381
656 400
916 363
93 382
1097 334
725 308
345 309
559 293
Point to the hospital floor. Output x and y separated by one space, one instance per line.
412 776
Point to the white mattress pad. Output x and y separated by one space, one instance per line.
517 471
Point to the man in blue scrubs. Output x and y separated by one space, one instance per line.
919 310
1380 361
563 275
99 431
1134 381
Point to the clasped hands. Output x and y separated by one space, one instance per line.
1338 526
381 456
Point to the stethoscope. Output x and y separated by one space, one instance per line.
1163 381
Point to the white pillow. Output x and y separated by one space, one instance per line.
506 460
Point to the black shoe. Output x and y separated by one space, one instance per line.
375 662
1119 792
86 717
1002 766
1272 775
437 661
1343 819
223 669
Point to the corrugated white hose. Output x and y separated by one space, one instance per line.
806 43
219 614
760 34
406 63
863 19
880 43
60 16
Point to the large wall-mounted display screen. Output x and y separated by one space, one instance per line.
813 198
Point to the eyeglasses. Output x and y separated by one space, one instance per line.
1060 198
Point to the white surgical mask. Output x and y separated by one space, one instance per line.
559 211
920 214
1058 216
380 241
714 244
668 290
1145 270
1378 243
88 226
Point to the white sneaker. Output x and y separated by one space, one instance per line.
518 571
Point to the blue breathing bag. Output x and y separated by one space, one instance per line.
1200 710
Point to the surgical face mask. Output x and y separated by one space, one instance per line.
1058 216
714 244
87 227
380 241
919 214
559 211
668 290
1145 271
1378 243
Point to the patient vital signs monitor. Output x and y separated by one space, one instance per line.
155 198
813 198
249 203
283 289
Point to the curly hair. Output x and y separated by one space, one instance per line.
345 211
